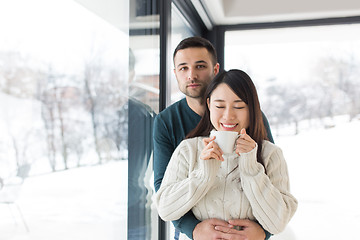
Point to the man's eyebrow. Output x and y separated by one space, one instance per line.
201 61
181 64
197 62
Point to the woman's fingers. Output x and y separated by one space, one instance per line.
211 155
206 141
211 150
244 143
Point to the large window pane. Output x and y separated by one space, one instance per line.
63 122
144 62
309 88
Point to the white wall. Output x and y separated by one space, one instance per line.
111 11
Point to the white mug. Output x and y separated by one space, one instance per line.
225 140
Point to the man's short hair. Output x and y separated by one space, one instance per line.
197 42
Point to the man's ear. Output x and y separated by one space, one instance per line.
216 68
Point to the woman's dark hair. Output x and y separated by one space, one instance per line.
197 42
244 88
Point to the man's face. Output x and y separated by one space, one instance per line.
194 70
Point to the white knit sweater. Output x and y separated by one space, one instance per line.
237 188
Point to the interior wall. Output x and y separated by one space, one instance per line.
110 11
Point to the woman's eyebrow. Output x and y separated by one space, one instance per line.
221 100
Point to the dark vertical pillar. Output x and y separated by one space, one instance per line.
217 38
165 48
165 65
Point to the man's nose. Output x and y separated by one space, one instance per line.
192 74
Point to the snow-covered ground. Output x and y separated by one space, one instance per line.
90 202
324 172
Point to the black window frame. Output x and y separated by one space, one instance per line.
217 34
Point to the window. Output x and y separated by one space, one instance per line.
308 85
63 146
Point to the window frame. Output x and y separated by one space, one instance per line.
217 34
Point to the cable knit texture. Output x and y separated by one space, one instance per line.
237 188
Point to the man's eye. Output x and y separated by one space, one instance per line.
200 66
182 69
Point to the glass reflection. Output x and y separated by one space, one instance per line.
143 103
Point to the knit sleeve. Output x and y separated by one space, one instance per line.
187 179
269 194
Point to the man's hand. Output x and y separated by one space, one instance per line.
205 230
213 229
250 230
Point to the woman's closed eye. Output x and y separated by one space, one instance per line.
233 107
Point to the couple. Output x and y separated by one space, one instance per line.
244 195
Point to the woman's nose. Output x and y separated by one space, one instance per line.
228 114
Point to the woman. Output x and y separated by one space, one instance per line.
251 183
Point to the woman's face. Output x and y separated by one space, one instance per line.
227 111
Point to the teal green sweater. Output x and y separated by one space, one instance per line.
170 128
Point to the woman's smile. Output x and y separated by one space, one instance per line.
228 127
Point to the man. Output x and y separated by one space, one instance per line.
195 63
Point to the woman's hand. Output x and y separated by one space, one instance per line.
211 150
244 143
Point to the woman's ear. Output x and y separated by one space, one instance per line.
208 102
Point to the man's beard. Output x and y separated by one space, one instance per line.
194 94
